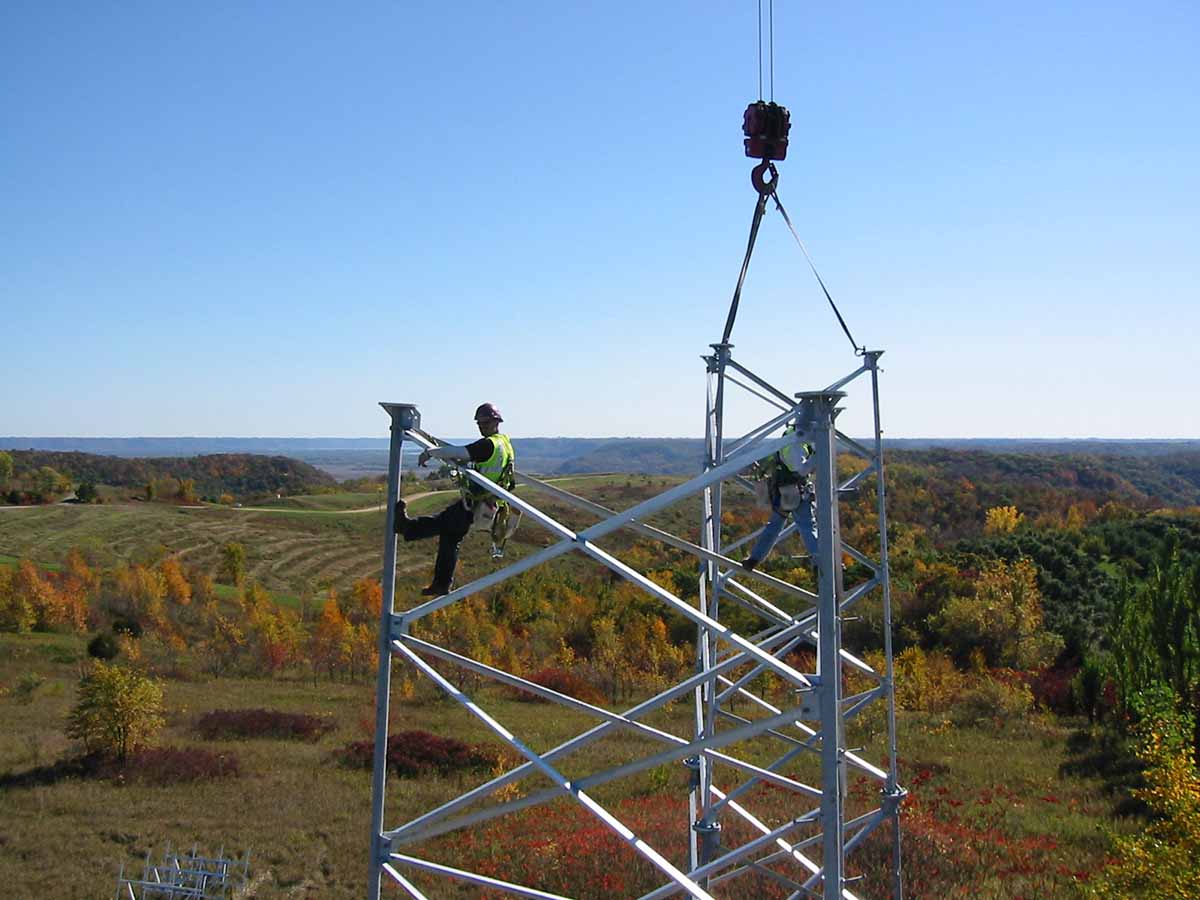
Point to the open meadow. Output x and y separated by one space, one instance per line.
993 800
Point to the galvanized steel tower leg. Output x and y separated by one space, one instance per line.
706 825
403 416
829 639
893 794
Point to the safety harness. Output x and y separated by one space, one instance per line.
490 511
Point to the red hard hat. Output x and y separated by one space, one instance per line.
488 411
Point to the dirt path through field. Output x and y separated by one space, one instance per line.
377 508
334 512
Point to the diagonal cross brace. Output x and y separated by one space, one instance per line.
561 783
573 541
582 541
684 687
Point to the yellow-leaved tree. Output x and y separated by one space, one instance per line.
1002 520
1003 619
1161 861
117 711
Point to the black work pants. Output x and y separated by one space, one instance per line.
450 526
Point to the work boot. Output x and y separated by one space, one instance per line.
435 590
402 519
750 563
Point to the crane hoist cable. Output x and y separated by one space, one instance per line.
770 47
766 126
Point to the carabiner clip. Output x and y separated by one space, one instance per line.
766 188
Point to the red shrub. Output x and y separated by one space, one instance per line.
1052 689
261 723
951 845
412 753
565 682
171 765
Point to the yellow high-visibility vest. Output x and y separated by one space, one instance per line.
498 468
502 458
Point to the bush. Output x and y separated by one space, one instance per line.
1088 688
261 723
1003 618
565 682
925 681
103 646
989 699
118 710
27 687
411 753
131 627
172 765
1054 689
1161 860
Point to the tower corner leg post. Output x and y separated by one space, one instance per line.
895 793
704 834
403 417
829 642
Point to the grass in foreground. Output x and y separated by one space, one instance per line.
987 806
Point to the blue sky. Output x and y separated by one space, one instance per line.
260 219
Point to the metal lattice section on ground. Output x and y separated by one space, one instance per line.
812 854
185 875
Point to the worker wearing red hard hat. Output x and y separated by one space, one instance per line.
491 456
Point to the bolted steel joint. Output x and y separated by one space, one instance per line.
405 416
702 827
381 849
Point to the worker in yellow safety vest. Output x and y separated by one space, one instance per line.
491 456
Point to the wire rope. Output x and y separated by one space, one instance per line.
771 47
760 49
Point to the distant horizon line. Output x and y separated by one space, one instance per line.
567 437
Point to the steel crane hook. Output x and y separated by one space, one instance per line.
766 188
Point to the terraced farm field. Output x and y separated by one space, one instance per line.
293 547
325 502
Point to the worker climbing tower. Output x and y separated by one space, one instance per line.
778 708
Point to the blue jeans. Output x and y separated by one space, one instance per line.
805 527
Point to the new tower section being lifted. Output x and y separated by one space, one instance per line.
741 739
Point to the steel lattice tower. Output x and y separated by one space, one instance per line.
810 853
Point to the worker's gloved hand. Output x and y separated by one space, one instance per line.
423 458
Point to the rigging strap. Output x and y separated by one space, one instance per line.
759 209
786 218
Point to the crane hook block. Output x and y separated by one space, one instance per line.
766 126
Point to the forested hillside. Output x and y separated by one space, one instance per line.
240 474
